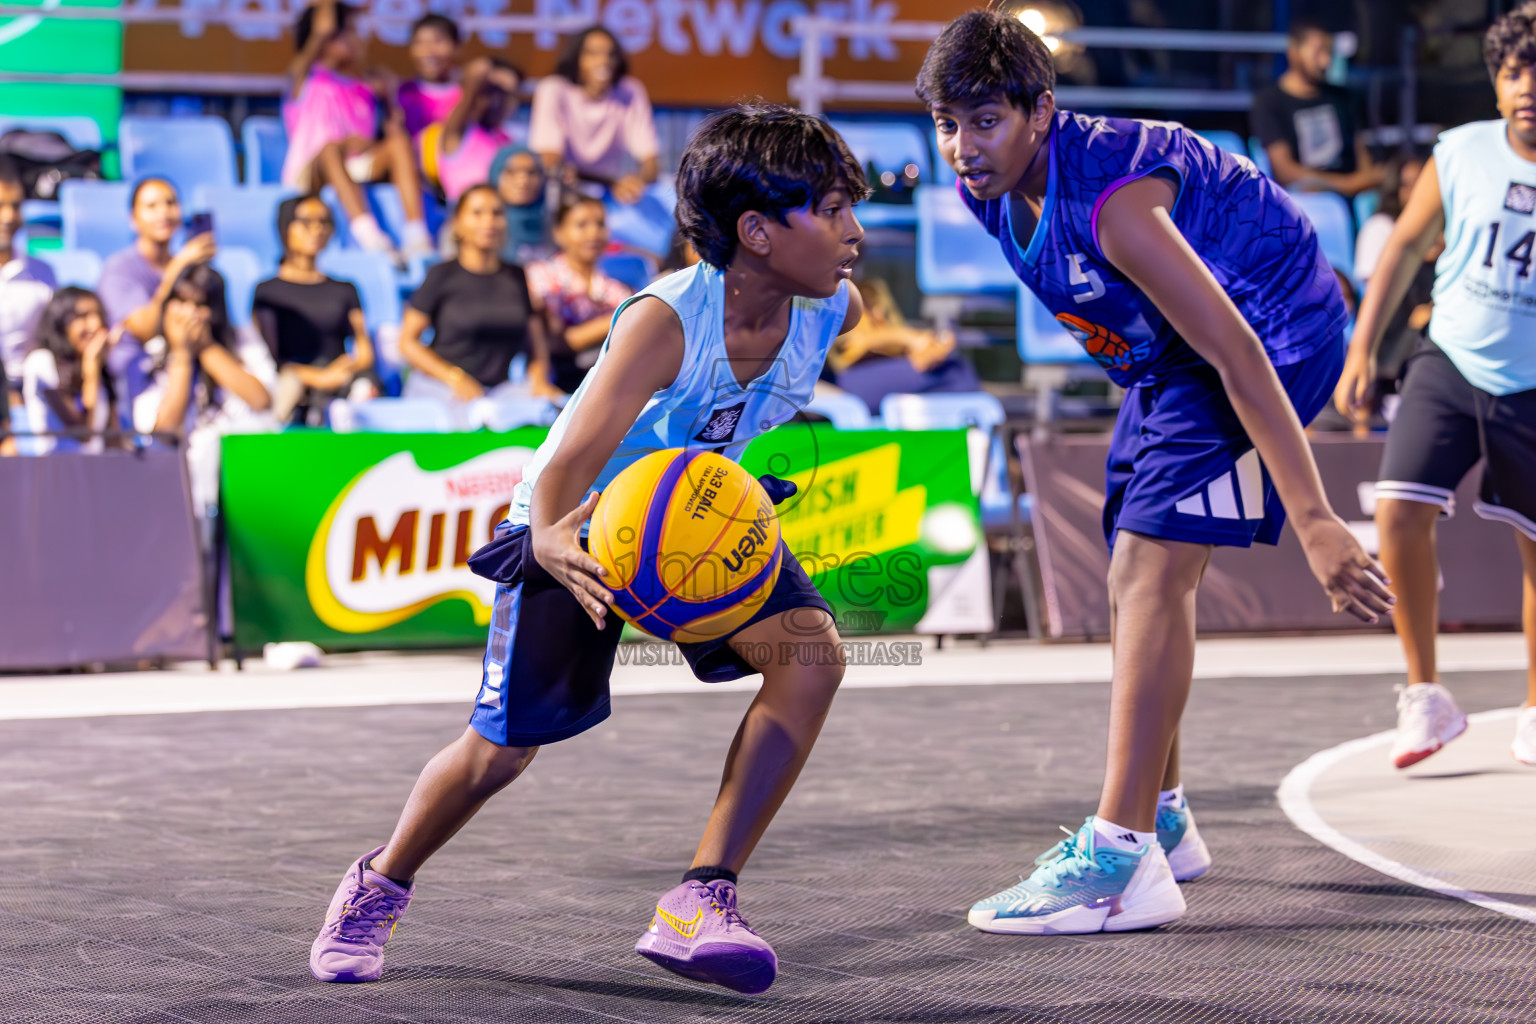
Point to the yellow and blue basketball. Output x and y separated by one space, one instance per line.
690 541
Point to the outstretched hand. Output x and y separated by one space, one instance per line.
1353 580
559 551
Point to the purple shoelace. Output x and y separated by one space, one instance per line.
367 911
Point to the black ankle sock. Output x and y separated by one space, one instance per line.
709 875
406 884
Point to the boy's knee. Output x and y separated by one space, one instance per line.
1139 581
494 764
1402 520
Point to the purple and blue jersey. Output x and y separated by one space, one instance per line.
1180 465
1257 243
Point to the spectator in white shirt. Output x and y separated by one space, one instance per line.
26 284
590 114
63 377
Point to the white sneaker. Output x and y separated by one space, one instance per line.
1524 747
1179 836
1427 719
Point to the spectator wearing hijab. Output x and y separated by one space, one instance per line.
518 177
591 114
307 319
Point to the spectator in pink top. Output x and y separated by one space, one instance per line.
591 114
429 97
343 130
579 300
473 133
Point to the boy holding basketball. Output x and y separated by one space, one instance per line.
1199 286
707 357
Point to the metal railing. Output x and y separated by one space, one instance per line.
813 89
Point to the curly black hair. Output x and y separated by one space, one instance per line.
763 157
982 55
1512 36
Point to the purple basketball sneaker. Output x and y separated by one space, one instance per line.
363 915
698 932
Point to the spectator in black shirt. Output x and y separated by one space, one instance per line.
307 318
480 311
1308 126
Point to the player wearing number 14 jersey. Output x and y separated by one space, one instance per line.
1469 392
1198 285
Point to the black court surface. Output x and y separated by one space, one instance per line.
176 867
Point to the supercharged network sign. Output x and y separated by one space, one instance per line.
687 52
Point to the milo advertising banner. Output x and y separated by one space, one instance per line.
356 541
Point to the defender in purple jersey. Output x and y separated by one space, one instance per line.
1199 286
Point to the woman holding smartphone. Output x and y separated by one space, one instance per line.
136 281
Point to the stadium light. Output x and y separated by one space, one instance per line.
1034 20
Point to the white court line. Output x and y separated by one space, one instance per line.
383 679
1295 796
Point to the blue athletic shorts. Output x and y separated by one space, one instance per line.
1181 467
546 668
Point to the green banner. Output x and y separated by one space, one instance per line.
56 45
356 541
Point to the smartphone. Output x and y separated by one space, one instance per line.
200 224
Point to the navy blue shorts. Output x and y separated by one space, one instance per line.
546 668
1181 466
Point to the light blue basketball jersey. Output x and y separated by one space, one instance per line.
1485 292
706 407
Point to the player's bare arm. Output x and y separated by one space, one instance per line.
1415 232
644 355
1139 237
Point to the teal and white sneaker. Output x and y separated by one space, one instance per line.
1080 888
1179 837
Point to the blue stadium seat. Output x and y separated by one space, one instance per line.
395 416
844 411
646 225
1229 141
95 215
989 463
1366 205
1260 157
942 411
502 414
266 145
387 208
244 215
890 145
628 268
82 132
374 277
1330 215
1042 338
186 151
78 267
241 270
955 255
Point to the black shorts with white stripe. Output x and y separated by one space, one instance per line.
1444 426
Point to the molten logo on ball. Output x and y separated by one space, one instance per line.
691 544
